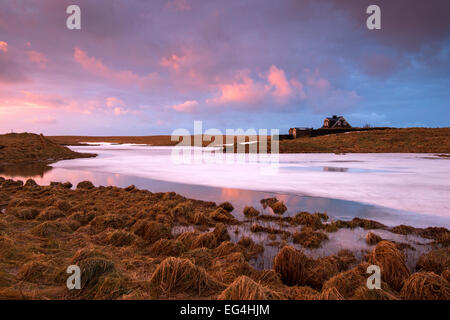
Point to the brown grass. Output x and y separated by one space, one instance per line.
426 286
167 248
313 221
391 262
227 206
244 288
410 140
250 212
309 238
346 282
150 231
177 275
222 215
229 267
364 293
437 261
290 264
320 270
372 238
32 148
330 294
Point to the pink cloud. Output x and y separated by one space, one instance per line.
3 46
187 106
277 79
96 67
244 91
118 111
113 102
37 58
172 62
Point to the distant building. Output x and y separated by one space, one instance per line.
300 132
335 122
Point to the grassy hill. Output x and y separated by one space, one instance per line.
32 148
415 140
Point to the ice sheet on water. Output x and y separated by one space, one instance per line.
412 182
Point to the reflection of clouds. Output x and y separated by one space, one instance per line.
236 194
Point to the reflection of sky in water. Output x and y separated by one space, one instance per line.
332 169
335 208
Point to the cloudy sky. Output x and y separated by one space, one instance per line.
148 67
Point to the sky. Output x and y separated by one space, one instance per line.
149 67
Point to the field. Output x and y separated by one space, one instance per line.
420 140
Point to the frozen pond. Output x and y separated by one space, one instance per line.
411 189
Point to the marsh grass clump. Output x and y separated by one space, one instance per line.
227 247
83 217
92 269
179 275
37 271
268 202
320 270
151 231
200 218
207 240
166 248
446 275
391 262
26 213
109 286
403 229
115 221
290 264
425 286
229 267
439 235
222 215
346 282
120 238
51 229
276 205
85 185
310 220
372 238
250 212
436 261
221 233
309 238
201 257
227 206
50 213
279 207
244 288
